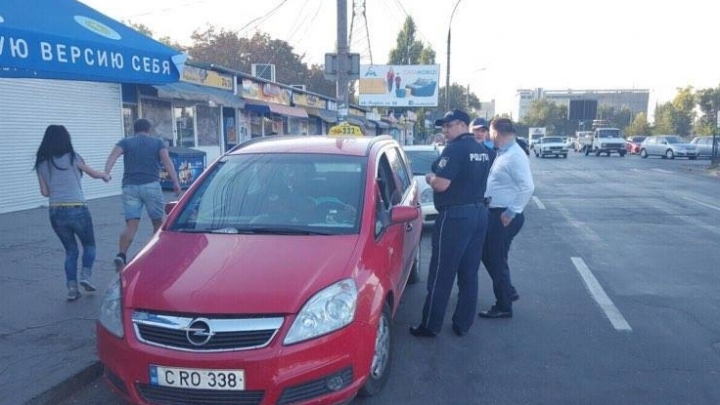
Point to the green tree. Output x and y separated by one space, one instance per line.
684 104
459 98
545 113
408 50
664 119
229 49
617 118
639 125
709 102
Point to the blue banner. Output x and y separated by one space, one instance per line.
67 40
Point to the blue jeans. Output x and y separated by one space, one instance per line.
68 222
149 195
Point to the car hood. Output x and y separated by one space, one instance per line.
234 274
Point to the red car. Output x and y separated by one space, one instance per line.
274 280
632 144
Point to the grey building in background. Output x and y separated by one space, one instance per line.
487 109
634 99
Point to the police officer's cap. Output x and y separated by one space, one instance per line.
453 115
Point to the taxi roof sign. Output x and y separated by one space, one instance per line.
345 129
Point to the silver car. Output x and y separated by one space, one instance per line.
704 145
667 146
421 158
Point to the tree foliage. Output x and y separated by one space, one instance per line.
638 126
408 50
545 113
228 49
708 101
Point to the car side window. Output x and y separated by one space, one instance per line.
387 183
399 168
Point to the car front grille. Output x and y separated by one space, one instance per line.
183 396
204 334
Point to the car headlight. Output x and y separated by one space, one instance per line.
328 310
426 196
111 309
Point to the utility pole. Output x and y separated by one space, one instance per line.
343 98
447 73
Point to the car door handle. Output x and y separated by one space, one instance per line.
409 227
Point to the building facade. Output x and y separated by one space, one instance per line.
634 99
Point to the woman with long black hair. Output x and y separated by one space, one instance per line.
59 170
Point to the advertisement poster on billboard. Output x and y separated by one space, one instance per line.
399 85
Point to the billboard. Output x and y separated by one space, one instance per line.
399 85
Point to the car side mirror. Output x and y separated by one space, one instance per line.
401 213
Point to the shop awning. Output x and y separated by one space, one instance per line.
263 107
325 115
67 40
356 120
380 124
194 92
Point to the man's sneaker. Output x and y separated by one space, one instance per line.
119 261
73 292
85 280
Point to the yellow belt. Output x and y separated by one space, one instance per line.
68 205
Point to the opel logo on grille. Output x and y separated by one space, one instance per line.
199 332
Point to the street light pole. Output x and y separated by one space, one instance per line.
447 73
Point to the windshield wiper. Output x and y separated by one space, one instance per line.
274 230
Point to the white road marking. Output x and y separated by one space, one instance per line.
702 203
662 170
539 203
613 314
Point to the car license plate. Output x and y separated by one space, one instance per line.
231 380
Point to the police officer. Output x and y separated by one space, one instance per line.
458 180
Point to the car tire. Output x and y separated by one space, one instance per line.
670 154
622 153
382 356
643 153
564 155
414 276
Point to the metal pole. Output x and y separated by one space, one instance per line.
342 52
447 73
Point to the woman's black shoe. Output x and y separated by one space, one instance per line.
421 331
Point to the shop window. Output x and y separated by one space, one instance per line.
256 124
185 124
130 114
208 125
159 113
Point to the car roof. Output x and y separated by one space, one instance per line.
355 146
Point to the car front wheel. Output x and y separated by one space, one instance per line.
382 357
643 153
669 154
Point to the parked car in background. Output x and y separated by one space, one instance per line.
704 145
271 280
667 146
551 146
421 158
633 144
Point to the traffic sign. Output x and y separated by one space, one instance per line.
345 129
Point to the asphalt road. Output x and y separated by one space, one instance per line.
617 270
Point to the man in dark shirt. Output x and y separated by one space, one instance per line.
458 180
142 156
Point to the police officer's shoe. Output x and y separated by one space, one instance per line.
495 313
457 330
421 331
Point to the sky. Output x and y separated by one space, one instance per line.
496 47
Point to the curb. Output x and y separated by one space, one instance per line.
70 386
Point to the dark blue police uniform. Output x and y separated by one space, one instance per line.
459 233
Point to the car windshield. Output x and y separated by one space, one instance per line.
608 133
421 160
673 139
278 193
552 139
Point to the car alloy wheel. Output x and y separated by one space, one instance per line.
643 153
382 357
669 154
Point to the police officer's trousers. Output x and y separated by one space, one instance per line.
457 244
